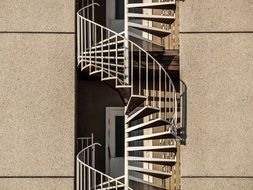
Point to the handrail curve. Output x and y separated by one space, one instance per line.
133 46
84 169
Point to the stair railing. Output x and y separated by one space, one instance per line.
104 51
88 178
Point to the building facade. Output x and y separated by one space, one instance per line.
37 84
47 102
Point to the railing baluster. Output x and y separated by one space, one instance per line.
160 92
102 53
81 36
116 58
81 177
153 93
84 32
90 45
132 68
94 45
165 98
139 72
109 53
77 175
78 39
89 180
147 75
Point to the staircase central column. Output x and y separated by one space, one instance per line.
127 66
127 80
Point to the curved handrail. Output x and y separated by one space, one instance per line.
94 144
88 6
120 34
133 45
97 172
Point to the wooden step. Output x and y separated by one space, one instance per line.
165 148
134 102
149 124
147 110
155 18
156 5
154 173
152 30
162 135
159 161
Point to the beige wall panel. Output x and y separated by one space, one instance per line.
218 183
218 72
36 15
36 104
218 15
37 184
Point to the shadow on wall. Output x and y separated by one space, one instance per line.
182 131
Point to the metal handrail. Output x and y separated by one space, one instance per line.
88 6
87 175
131 47
93 39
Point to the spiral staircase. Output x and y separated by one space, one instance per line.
146 89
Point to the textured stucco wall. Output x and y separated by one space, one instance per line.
37 94
216 56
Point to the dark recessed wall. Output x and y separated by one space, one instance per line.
92 99
100 11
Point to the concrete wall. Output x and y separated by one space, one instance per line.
216 56
37 94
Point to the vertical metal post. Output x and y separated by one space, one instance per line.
78 39
93 19
89 185
175 107
93 160
147 89
90 45
127 81
165 97
81 176
77 174
126 154
116 58
160 91
154 104
132 68
102 54
108 54
83 40
139 72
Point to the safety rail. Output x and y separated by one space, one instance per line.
88 178
105 52
148 92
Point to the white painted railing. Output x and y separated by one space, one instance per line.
112 56
104 52
88 178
